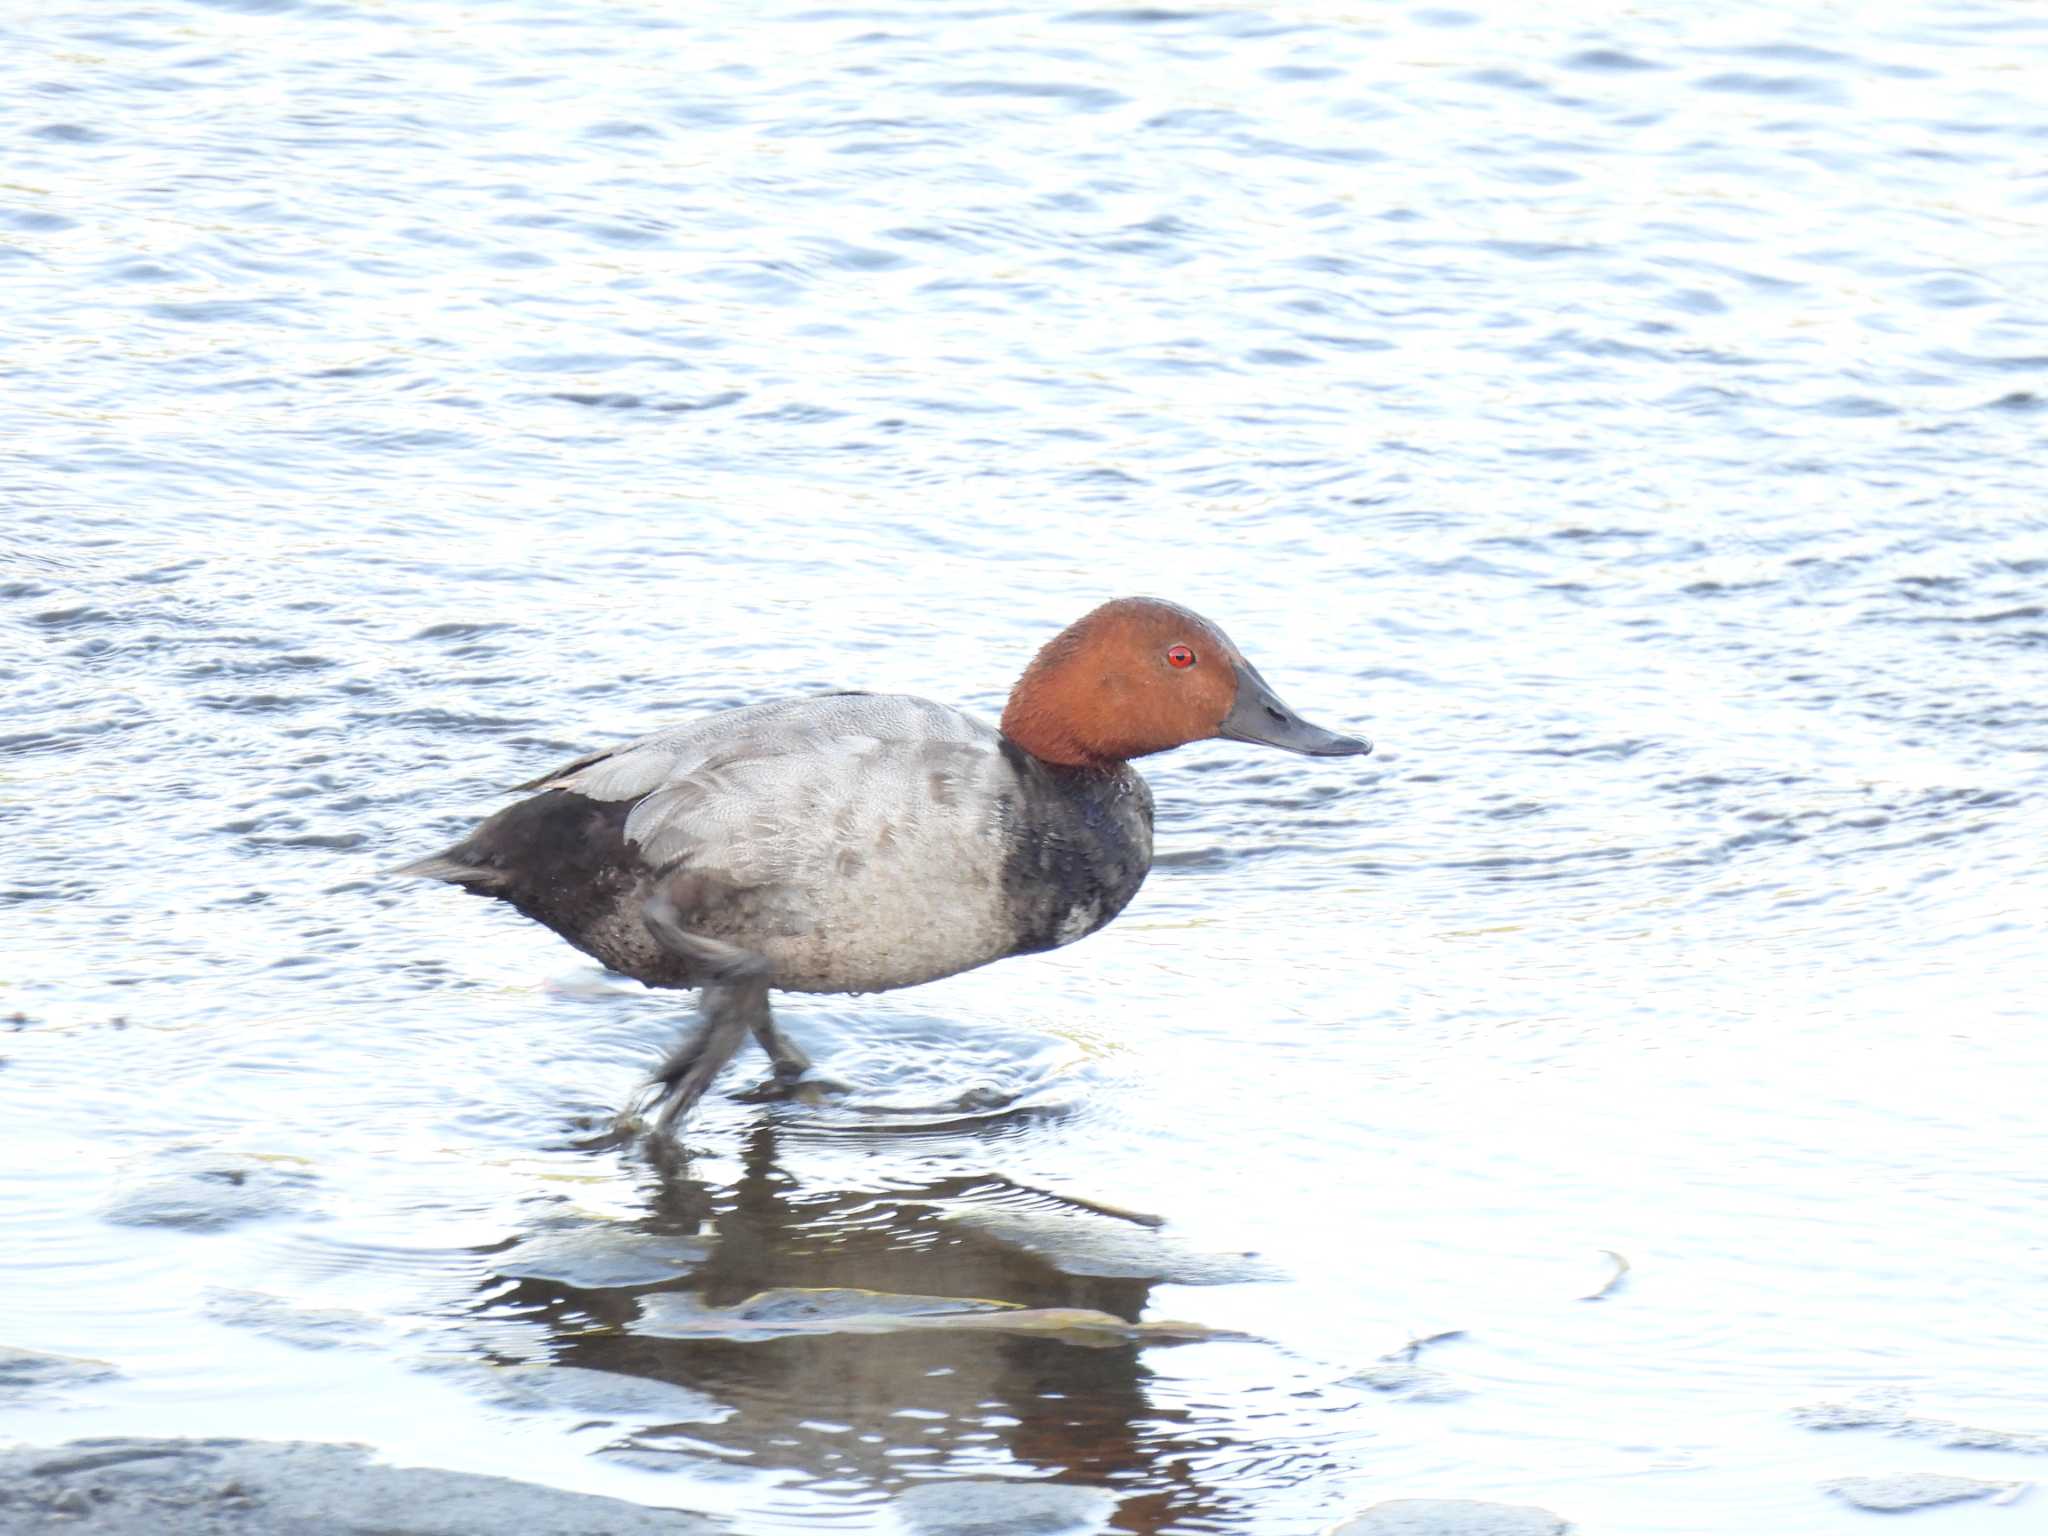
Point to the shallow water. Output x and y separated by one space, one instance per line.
1633 421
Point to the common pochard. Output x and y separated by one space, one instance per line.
857 842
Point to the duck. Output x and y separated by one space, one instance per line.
855 842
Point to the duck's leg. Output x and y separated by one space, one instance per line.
698 1058
734 1000
791 1062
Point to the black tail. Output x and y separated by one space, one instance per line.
454 867
558 856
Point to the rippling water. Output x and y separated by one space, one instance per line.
1632 418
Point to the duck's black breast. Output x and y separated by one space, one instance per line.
1078 844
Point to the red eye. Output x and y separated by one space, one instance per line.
1181 656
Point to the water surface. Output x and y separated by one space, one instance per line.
1632 420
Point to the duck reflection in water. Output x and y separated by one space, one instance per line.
873 1414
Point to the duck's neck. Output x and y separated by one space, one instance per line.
1045 737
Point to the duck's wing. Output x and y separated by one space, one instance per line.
759 795
632 762
773 793
778 728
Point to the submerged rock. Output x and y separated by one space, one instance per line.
1101 1247
1451 1517
791 1312
261 1488
1401 1373
1403 1376
1003 1507
1888 1416
574 1389
198 1189
601 1257
673 1455
26 1371
1917 1490
286 1321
